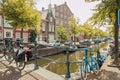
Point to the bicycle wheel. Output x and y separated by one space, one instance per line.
9 55
20 65
83 69
95 66
20 61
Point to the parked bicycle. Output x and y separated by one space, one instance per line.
101 58
23 54
1 48
6 49
88 66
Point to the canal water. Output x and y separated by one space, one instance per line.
61 68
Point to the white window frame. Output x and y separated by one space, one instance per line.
43 26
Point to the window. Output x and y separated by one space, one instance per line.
25 37
0 20
17 35
57 22
8 34
52 28
61 10
6 24
61 15
51 37
49 28
57 14
43 26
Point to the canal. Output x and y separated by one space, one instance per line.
61 68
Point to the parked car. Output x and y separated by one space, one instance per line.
54 43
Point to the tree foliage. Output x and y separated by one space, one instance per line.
61 32
21 14
110 30
73 26
89 31
33 35
106 12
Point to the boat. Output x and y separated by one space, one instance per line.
72 48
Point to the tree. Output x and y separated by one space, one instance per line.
73 27
106 12
87 30
99 33
61 32
21 14
33 35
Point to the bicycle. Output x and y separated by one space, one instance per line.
101 58
22 56
6 49
9 50
1 48
15 50
88 66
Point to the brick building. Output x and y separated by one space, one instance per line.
62 15
48 25
51 19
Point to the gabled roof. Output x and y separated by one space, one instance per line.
44 14
65 4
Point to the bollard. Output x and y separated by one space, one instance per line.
67 75
35 57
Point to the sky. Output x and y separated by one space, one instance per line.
79 8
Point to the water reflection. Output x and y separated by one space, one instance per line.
61 68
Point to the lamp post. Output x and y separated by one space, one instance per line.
36 56
67 63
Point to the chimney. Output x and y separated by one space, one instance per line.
43 8
55 5
65 3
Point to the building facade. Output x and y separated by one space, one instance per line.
62 15
18 33
51 19
47 25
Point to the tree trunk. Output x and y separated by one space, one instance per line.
22 34
116 39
